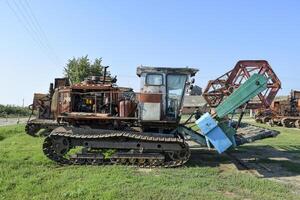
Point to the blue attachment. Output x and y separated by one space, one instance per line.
213 133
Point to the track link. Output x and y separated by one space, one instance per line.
32 129
62 140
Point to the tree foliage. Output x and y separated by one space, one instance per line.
77 69
11 110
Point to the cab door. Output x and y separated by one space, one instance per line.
175 90
151 97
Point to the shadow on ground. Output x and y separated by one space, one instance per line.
265 161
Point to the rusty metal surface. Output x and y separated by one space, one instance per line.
99 116
92 86
150 98
296 94
127 108
223 86
61 82
39 99
283 112
64 101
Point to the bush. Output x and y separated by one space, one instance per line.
12 110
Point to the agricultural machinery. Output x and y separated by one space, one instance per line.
220 88
283 112
98 122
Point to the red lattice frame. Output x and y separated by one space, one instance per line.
223 86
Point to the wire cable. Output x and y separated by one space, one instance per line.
28 25
38 26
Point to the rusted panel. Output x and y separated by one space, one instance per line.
54 104
61 82
92 86
38 99
127 108
98 116
64 101
42 104
296 94
150 98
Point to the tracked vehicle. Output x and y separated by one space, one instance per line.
97 122
283 112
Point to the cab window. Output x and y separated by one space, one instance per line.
154 79
175 91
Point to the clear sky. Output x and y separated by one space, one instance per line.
209 35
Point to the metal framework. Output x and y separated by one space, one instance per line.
223 86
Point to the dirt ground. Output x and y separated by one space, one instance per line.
271 163
250 160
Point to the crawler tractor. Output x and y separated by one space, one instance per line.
101 123
283 112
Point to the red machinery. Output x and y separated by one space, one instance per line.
283 112
223 86
86 120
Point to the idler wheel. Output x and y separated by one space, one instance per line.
32 129
60 145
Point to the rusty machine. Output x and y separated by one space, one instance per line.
283 112
97 122
217 90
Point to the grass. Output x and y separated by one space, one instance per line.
288 165
27 174
14 116
288 141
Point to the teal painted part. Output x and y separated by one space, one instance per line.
206 123
213 133
252 87
229 131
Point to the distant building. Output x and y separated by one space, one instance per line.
196 90
191 103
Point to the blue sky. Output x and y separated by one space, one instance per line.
209 35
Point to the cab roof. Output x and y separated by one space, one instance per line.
171 70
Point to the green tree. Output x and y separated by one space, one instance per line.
12 110
96 68
77 69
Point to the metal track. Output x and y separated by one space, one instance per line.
61 140
35 125
32 129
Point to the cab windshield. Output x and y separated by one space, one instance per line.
175 91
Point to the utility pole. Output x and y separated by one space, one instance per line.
23 102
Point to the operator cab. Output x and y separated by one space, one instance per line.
161 93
